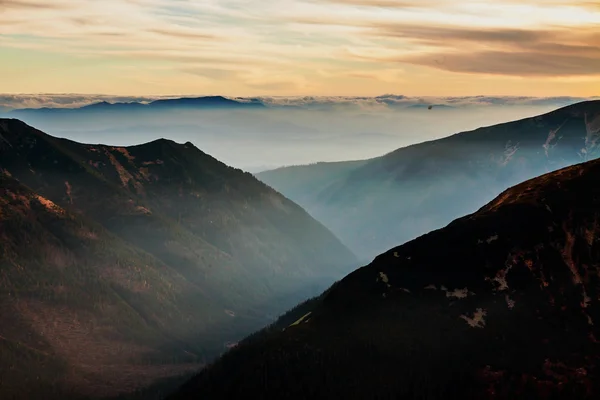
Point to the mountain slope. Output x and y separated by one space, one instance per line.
80 308
301 183
410 191
500 304
218 251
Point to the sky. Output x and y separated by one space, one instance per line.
301 47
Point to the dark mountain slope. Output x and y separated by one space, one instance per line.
500 304
415 189
232 252
81 310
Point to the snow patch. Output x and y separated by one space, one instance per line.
3 139
477 320
68 189
431 287
500 279
458 293
551 136
509 302
586 300
50 205
383 277
491 239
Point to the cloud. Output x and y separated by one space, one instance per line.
313 46
186 34
518 52
26 4
212 73
386 101
512 63
387 3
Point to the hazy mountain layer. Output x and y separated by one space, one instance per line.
206 102
118 262
500 304
374 205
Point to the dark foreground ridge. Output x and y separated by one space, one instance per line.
500 304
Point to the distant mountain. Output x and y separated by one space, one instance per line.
206 102
500 304
122 265
410 191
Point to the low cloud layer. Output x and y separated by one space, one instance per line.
383 102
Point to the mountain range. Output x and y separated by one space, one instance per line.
124 270
374 204
205 102
123 265
499 304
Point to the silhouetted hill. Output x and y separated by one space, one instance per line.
206 102
499 304
410 191
120 262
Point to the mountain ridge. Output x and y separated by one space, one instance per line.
219 244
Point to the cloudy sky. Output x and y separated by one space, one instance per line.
301 47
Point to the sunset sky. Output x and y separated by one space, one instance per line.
301 47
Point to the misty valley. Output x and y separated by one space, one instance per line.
309 250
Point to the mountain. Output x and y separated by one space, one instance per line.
499 304
394 198
119 262
206 102
303 182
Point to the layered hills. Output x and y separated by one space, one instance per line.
499 304
375 204
122 265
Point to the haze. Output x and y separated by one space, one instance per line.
320 129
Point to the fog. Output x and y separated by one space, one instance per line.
256 140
